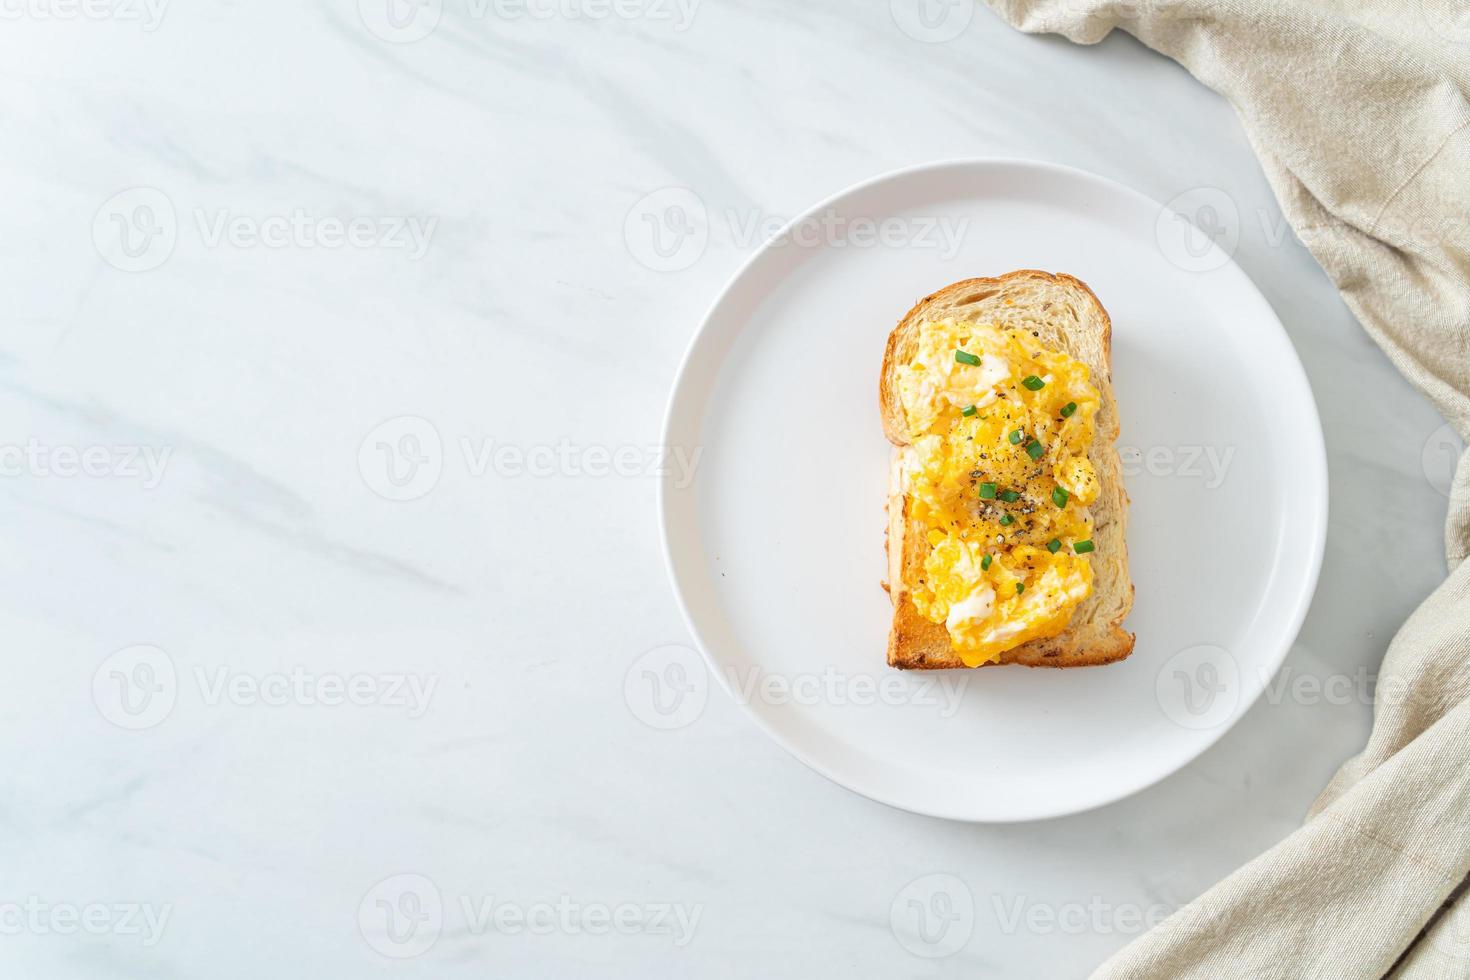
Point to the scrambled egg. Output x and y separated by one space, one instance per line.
998 476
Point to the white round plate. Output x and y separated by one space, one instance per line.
775 544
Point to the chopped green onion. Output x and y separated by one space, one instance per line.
1081 547
1009 496
1020 587
1059 496
1035 449
969 411
1053 546
1033 383
1007 520
965 357
987 491
985 564
1069 409
1016 437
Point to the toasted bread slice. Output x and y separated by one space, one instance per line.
1068 318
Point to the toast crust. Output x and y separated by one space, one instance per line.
1071 319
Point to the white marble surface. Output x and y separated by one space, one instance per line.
251 820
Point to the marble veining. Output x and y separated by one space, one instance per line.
340 684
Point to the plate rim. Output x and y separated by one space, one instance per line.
1319 511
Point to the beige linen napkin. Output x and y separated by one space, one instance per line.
1358 110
